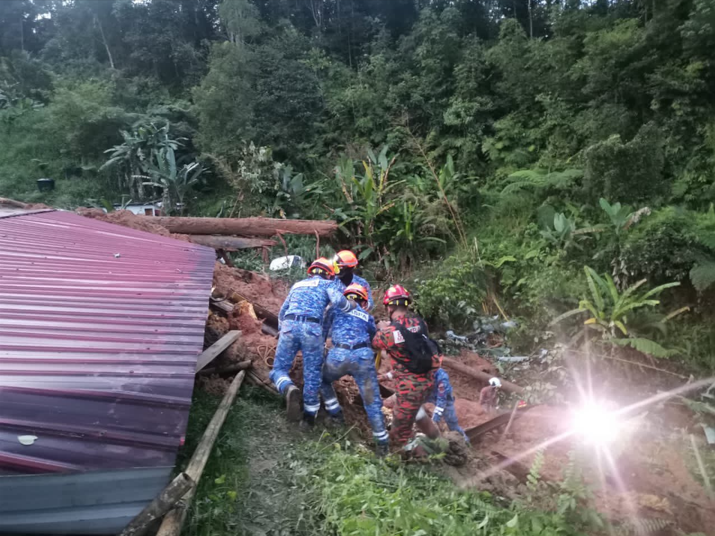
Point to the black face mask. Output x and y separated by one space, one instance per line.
346 276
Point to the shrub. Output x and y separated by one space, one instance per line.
629 172
663 247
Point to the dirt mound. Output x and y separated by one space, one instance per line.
129 219
465 386
237 284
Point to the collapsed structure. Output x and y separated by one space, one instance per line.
100 329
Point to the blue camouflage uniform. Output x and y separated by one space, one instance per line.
352 354
301 319
360 281
443 400
356 279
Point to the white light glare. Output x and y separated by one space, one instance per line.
595 424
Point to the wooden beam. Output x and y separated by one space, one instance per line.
226 371
231 243
171 526
216 348
158 508
244 226
261 380
479 375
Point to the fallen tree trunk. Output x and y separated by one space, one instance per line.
4 201
158 508
171 526
231 243
244 226
479 375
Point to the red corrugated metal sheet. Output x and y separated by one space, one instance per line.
100 328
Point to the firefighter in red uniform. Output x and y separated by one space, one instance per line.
415 357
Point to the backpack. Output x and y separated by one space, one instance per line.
420 348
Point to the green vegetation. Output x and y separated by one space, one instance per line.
261 479
489 153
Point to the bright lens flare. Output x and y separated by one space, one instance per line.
595 425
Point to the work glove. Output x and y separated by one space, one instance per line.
436 417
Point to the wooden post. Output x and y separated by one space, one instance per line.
216 348
158 508
479 375
171 526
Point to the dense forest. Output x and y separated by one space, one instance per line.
552 161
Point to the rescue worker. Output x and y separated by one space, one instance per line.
414 359
352 354
346 262
301 320
488 395
443 400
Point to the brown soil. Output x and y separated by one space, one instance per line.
258 289
128 219
465 386
650 479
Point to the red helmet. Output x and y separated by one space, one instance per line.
346 259
397 295
322 266
356 292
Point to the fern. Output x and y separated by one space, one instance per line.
539 179
702 275
532 480
645 346
643 526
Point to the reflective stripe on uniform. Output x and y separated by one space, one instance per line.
438 410
310 408
380 437
281 381
332 404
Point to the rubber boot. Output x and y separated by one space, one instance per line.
293 404
308 422
336 420
382 450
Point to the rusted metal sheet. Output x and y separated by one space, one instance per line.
100 329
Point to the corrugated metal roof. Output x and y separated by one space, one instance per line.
100 328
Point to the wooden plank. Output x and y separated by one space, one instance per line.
158 508
171 526
216 348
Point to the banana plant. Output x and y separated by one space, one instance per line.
368 196
609 310
174 182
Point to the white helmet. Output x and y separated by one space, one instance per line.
495 382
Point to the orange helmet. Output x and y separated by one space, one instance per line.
397 295
346 259
356 292
323 267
